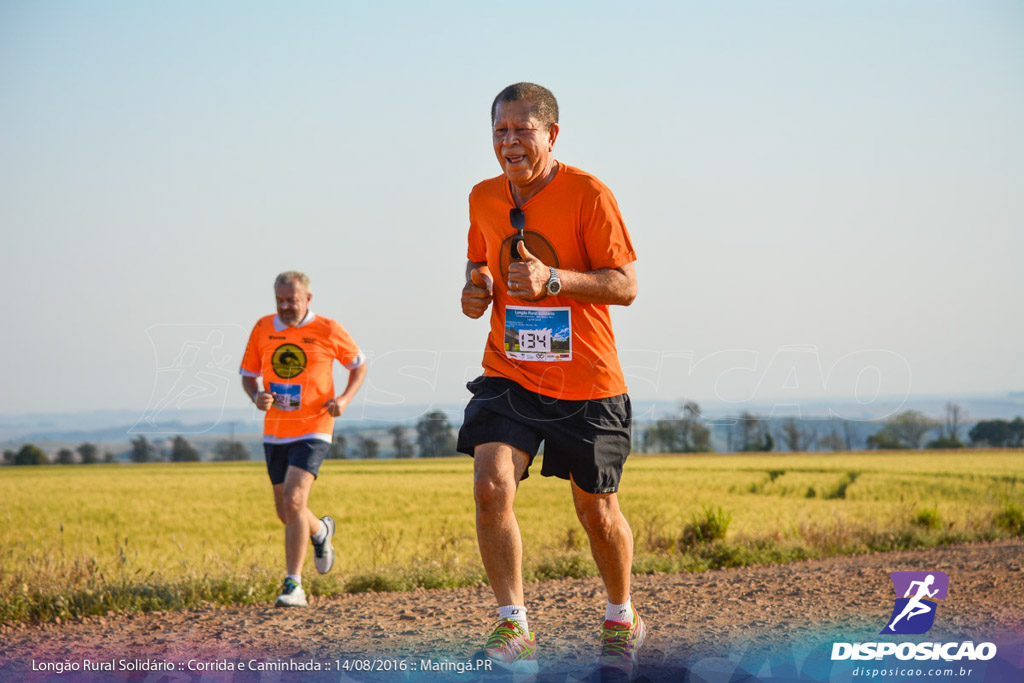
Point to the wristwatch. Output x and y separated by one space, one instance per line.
554 285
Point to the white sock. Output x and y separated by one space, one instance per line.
297 578
621 613
320 534
515 613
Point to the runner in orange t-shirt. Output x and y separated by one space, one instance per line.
548 247
294 352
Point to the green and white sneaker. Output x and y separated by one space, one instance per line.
620 643
511 648
323 553
291 595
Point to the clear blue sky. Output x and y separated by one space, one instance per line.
843 178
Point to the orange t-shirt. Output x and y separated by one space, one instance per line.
297 363
556 346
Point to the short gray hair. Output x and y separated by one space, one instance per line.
542 102
292 276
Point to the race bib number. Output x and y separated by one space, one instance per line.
289 396
539 334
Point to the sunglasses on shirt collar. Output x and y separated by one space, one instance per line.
518 221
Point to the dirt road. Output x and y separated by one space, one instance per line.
779 620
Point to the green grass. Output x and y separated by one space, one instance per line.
80 541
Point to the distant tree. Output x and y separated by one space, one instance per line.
794 439
434 435
110 458
182 450
832 441
952 423
683 434
403 447
944 442
749 432
227 450
656 436
694 435
850 438
30 454
339 447
143 450
884 441
991 433
907 428
65 456
367 447
753 433
89 453
9 456
912 426
998 433
1015 433
662 437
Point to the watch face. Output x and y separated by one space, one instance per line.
554 284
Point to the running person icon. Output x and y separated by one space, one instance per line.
915 606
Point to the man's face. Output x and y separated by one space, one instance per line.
521 143
292 302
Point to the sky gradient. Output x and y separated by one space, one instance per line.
830 189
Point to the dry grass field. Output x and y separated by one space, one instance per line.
78 541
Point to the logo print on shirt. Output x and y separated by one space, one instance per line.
537 244
288 361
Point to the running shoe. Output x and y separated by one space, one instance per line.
511 648
323 553
291 595
620 643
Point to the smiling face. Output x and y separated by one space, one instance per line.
292 302
524 147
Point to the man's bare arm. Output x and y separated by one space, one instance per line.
612 286
336 406
528 278
262 399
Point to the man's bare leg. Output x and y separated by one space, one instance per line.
291 498
611 539
497 469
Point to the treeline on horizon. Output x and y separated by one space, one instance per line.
435 437
688 431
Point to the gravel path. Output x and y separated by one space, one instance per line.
750 615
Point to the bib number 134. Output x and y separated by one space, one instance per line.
538 334
535 340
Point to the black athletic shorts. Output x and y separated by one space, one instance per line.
585 440
306 455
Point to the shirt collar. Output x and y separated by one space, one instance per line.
280 326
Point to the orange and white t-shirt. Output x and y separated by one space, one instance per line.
555 346
297 363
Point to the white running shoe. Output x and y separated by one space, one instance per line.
291 595
323 553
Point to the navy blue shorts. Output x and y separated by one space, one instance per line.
306 455
587 441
